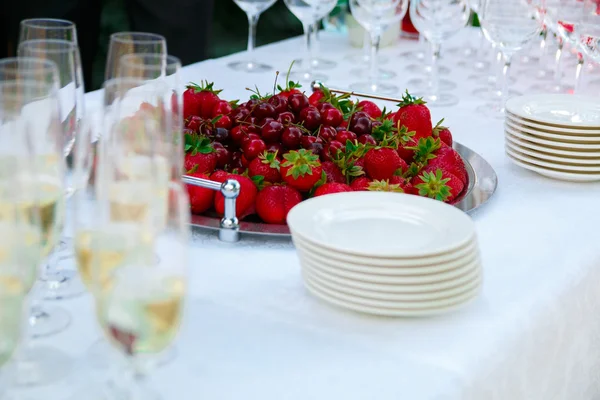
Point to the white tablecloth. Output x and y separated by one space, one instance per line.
253 332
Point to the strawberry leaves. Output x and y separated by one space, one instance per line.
270 158
385 186
205 86
198 144
434 185
408 99
301 162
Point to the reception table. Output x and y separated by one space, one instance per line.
253 332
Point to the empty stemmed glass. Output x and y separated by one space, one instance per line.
510 24
253 9
438 20
376 16
123 43
317 62
588 40
47 28
309 12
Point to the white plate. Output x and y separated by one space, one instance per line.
565 130
555 174
457 254
550 158
555 165
396 288
553 136
553 150
558 109
562 145
378 224
366 268
335 299
379 295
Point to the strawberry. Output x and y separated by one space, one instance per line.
200 155
274 202
438 184
448 159
201 199
330 188
415 116
333 173
383 163
394 184
443 133
267 166
301 169
244 204
200 100
315 98
360 184
290 86
370 108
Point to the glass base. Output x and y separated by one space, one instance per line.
40 366
48 321
426 69
439 100
552 88
492 110
64 283
365 73
249 66
544 74
365 59
413 55
307 77
420 85
488 79
102 356
380 88
464 51
489 94
318 64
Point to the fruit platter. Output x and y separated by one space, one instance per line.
290 145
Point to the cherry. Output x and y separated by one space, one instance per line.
194 123
271 131
250 104
307 141
240 115
236 161
344 136
322 107
253 148
330 150
252 121
316 148
266 121
311 117
327 133
223 156
279 103
361 125
375 124
238 133
286 117
221 135
207 129
367 139
222 108
244 161
357 115
275 147
291 137
224 122
263 110
297 102
332 117
249 137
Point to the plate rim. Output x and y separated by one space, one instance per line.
570 168
554 174
535 139
566 129
553 136
558 150
549 157
515 103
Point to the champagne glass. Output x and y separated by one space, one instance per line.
376 16
61 281
510 24
309 12
30 130
28 68
438 20
253 9
47 28
140 305
131 42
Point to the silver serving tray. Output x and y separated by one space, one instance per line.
481 186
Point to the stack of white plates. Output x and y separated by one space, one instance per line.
557 136
387 253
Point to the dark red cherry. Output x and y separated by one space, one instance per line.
307 141
286 117
330 150
236 161
327 133
361 126
221 134
316 148
324 106
344 136
224 122
238 133
279 103
194 123
275 147
266 121
271 131
249 137
297 102
357 115
240 115
291 137
223 157
311 118
207 129
367 139
253 148
332 117
263 110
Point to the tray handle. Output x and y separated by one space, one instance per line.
229 228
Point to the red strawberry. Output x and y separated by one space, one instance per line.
200 155
383 162
244 204
330 188
333 172
267 166
438 184
301 169
200 100
274 202
443 133
370 108
449 160
394 184
415 116
201 199
290 86
420 152
361 183
315 97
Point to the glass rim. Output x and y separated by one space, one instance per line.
150 37
43 62
172 63
36 23
69 46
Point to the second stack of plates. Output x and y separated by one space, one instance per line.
557 136
386 254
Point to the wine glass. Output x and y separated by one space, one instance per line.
28 68
438 20
317 62
253 9
510 24
140 304
309 12
588 38
376 16
30 129
131 42
47 28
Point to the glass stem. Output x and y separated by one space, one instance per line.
543 46
367 46
252 22
499 67
557 62
434 77
579 72
307 51
505 78
373 71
